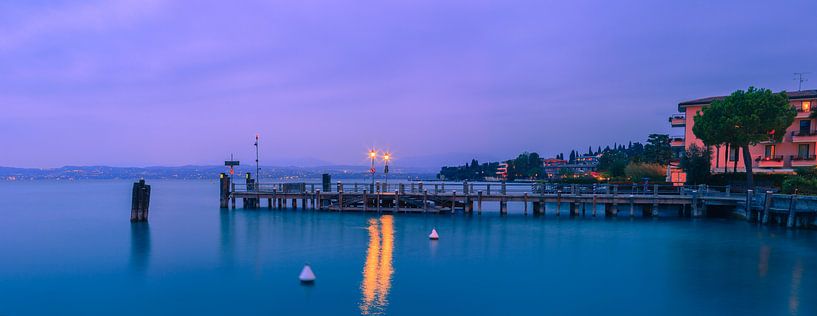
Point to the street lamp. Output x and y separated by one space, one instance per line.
386 158
372 156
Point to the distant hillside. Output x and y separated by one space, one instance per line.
197 172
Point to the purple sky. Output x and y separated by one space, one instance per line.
153 82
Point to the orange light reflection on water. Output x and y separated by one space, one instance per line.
378 269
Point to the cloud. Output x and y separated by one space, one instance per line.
27 26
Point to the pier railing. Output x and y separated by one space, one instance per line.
487 188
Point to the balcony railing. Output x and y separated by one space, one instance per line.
804 136
676 141
803 158
804 133
770 158
677 120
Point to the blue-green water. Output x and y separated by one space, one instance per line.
68 248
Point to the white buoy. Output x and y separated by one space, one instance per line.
433 235
307 276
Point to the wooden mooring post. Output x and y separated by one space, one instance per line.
224 190
140 201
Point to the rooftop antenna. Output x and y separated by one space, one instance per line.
800 77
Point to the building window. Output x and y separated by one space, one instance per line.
769 152
803 151
805 127
805 106
733 153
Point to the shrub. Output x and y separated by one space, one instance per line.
800 184
638 171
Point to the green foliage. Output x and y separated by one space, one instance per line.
805 182
613 162
800 185
525 166
745 118
658 149
473 171
696 162
638 171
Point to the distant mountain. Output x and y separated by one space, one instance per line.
198 172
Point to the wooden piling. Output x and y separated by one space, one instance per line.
397 201
526 203
425 198
792 211
479 202
558 202
140 201
594 205
224 190
767 204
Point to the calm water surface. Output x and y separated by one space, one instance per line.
68 248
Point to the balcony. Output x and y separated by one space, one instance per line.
770 162
804 136
676 141
678 120
803 161
803 112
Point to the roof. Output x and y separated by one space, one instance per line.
794 95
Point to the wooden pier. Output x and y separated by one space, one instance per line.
536 198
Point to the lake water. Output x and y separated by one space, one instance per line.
68 248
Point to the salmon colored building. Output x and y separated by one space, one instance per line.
797 149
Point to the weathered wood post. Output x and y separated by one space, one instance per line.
377 197
468 204
558 202
318 199
695 212
748 210
232 196
526 202
792 211
365 200
654 200
632 205
488 189
442 185
224 190
140 201
250 203
453 200
504 189
425 200
594 204
340 197
479 202
397 200
767 204
326 182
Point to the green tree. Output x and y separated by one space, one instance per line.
658 149
696 163
613 162
745 118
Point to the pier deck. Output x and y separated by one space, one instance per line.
536 198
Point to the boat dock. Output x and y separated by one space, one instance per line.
536 198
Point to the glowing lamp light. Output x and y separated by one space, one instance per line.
372 154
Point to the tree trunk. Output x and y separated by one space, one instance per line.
717 155
747 161
735 164
726 155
